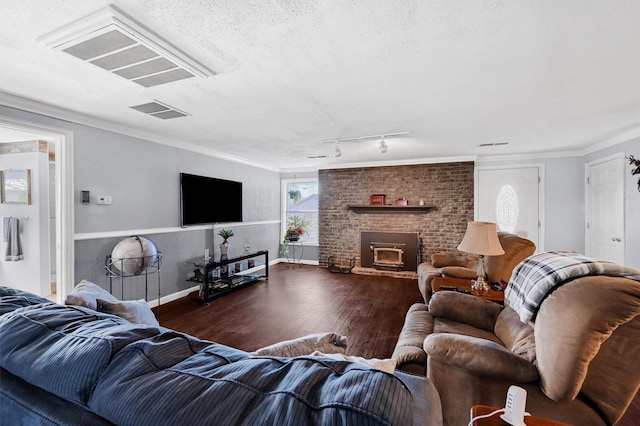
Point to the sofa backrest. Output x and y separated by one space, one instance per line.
587 333
516 249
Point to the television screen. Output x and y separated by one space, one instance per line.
209 200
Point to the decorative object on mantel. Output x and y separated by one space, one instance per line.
636 171
402 202
224 246
377 200
482 239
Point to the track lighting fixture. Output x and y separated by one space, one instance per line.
337 152
383 146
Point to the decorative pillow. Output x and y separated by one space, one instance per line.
305 345
135 311
86 293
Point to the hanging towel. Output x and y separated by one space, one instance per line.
12 238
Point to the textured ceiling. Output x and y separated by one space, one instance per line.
545 76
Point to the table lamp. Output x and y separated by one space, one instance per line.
481 238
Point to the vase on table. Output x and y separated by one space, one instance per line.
224 250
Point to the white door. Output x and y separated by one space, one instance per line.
511 197
604 209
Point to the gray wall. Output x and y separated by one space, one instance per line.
142 178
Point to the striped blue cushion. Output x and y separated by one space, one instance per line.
222 385
12 299
63 349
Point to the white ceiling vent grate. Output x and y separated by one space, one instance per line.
159 110
111 40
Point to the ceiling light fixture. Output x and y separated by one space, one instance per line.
383 146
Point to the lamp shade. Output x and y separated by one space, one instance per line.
481 238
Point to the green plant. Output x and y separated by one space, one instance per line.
295 195
226 234
297 224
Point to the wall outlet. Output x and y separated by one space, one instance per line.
103 199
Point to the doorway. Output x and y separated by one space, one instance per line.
512 198
604 209
63 170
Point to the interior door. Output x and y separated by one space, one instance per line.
511 197
604 209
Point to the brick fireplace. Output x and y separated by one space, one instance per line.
448 187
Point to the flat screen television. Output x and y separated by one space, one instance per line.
206 200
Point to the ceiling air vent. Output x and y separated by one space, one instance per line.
111 40
493 144
159 110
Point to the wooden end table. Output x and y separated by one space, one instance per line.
464 285
495 420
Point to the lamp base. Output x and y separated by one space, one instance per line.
480 285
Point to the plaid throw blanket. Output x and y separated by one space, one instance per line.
538 275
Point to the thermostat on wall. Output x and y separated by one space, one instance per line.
103 199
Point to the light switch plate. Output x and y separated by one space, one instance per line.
103 199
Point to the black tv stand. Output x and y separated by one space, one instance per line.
212 286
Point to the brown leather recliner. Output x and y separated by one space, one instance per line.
577 360
497 269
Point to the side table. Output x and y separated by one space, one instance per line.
495 420
464 285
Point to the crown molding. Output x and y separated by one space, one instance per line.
37 107
620 138
434 160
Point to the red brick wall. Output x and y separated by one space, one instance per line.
447 186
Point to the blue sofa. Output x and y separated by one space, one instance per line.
72 365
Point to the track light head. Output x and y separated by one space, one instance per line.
337 152
383 146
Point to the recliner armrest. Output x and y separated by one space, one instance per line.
479 357
465 308
459 272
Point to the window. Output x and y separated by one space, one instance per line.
300 198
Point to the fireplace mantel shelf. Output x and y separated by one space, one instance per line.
365 208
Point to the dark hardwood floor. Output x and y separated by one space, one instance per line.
299 300
303 299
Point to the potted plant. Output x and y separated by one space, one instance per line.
296 226
224 247
295 195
